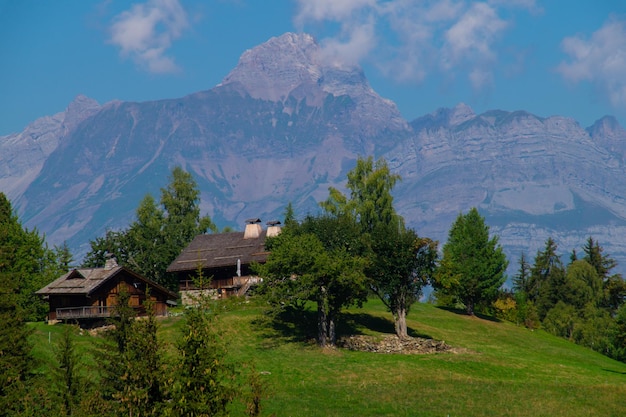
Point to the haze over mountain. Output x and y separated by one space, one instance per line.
285 124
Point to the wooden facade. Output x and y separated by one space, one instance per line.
225 258
90 293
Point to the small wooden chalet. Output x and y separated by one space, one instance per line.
225 258
91 293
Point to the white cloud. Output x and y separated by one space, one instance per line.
146 31
335 10
352 48
409 39
600 60
469 42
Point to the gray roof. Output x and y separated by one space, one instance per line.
219 250
84 281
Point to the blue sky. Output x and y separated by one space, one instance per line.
553 57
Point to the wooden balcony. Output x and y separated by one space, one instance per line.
85 312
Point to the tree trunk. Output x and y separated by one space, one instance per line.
400 323
469 307
332 334
322 335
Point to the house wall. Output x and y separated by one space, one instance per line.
107 295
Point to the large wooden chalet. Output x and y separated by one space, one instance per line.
226 258
91 293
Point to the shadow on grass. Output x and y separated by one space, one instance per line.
300 326
287 326
614 371
356 323
462 312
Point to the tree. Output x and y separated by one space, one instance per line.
371 203
522 278
204 379
582 285
180 201
26 260
67 373
133 372
403 263
473 265
159 233
64 257
317 260
613 285
15 348
603 264
547 277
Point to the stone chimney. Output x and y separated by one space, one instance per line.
253 229
110 262
273 228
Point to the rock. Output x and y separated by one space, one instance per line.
393 344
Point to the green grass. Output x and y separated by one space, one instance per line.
506 371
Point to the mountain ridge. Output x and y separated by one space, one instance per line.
255 143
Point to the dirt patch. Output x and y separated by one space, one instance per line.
393 344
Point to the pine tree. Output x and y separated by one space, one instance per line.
473 264
547 278
204 381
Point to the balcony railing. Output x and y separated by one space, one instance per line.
84 312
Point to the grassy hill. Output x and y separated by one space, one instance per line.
505 371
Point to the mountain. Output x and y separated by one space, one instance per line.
284 125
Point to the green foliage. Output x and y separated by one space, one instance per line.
370 184
473 265
203 383
560 320
15 357
133 372
317 260
26 260
617 335
402 263
578 302
69 384
546 278
159 233
522 278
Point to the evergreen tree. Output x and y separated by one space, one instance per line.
15 348
159 233
546 279
203 383
522 278
133 371
26 260
69 385
473 265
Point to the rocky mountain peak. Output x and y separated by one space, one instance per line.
272 70
293 65
460 113
606 126
79 109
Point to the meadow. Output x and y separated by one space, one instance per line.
501 370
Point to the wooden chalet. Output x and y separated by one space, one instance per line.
226 258
91 293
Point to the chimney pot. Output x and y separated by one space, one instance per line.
273 228
253 229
